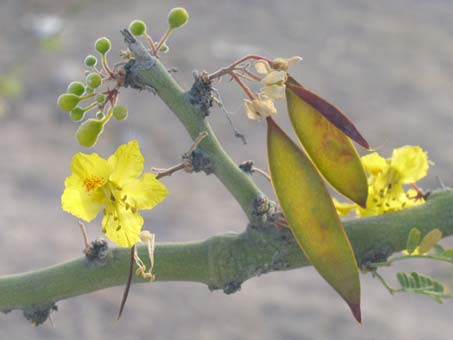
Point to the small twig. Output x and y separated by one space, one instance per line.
186 163
86 240
262 173
128 284
244 87
409 257
384 283
167 172
229 69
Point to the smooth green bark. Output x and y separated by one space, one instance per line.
223 261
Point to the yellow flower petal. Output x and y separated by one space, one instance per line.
251 111
343 208
79 202
146 192
264 106
122 226
91 165
127 162
262 67
283 64
275 77
411 162
374 164
275 92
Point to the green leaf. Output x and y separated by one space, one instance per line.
311 215
413 240
328 147
448 253
429 241
422 284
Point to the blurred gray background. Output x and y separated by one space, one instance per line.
388 64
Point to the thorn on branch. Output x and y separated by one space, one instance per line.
38 315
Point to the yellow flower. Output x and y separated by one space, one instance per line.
275 75
113 184
261 107
386 181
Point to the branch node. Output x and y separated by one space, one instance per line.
97 252
378 254
200 95
37 315
143 60
261 205
232 287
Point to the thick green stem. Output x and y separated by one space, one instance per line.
149 72
223 261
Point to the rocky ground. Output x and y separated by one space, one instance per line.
387 64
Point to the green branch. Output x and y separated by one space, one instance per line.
147 72
223 261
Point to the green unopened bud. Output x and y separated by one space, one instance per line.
177 17
77 114
91 61
137 27
120 112
94 80
76 87
89 89
89 131
103 45
67 101
100 98
99 115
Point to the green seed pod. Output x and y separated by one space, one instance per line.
67 101
89 90
137 27
77 114
177 17
99 115
103 45
100 98
76 87
91 61
89 131
120 112
94 80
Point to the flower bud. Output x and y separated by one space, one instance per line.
77 114
76 87
102 45
99 115
94 80
67 101
120 112
91 61
100 98
89 131
137 27
177 17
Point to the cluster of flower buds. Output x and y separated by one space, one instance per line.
101 86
